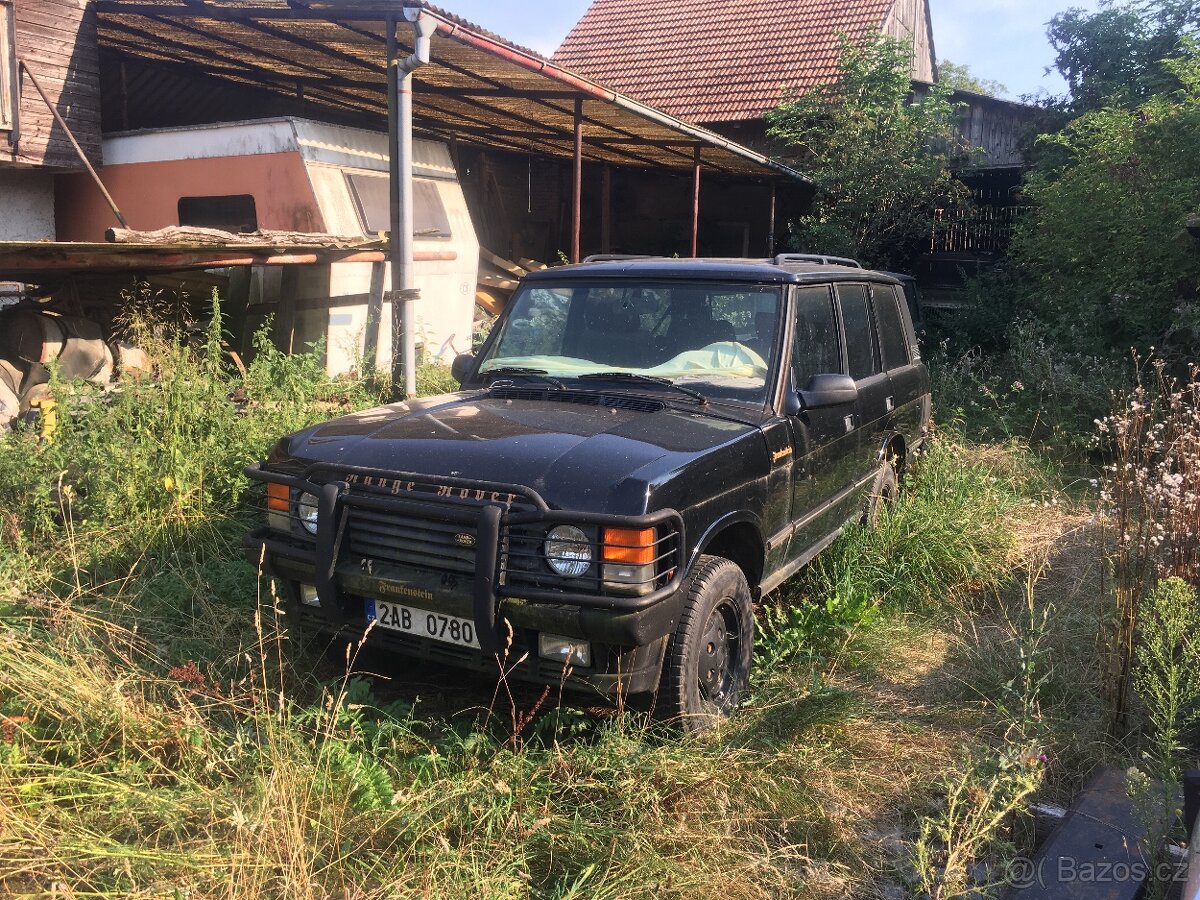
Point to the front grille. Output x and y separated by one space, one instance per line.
411 541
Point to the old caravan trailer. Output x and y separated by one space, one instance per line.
292 174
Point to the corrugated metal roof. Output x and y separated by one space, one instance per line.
478 89
716 60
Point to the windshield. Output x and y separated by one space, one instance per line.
717 339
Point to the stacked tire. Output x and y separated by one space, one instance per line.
30 340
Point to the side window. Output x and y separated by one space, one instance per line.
862 353
893 338
816 350
8 67
374 206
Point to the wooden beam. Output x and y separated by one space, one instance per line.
577 183
606 211
771 224
696 203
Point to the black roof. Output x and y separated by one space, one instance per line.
760 271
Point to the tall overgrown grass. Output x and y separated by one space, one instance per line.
162 733
948 542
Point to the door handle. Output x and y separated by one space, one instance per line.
890 403
848 421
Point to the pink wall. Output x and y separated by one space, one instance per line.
148 194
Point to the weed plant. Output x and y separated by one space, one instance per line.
1149 496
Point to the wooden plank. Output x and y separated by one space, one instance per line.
504 265
493 302
495 281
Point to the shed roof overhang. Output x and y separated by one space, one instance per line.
478 88
34 261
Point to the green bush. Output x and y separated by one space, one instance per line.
1105 261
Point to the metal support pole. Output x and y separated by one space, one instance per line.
696 203
400 167
771 225
395 213
403 282
577 184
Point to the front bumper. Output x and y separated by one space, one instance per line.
626 631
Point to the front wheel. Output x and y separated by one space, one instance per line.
706 670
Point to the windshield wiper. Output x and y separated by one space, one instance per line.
647 379
522 371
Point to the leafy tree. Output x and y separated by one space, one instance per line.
1121 53
879 157
961 78
1105 259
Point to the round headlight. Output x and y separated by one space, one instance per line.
306 512
568 551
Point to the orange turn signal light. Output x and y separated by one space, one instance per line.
632 546
278 497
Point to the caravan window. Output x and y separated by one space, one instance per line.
235 212
370 193
8 67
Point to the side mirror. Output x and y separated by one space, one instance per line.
461 366
829 390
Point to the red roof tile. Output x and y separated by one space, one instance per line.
715 60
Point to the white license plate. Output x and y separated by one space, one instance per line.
422 623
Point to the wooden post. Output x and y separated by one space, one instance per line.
696 202
577 186
374 320
236 303
606 212
771 225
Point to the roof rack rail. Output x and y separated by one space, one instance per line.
618 257
817 258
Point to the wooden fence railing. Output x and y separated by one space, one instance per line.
983 229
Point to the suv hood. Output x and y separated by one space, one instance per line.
576 455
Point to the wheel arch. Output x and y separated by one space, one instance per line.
741 542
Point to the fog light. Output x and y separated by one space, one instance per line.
308 595
569 651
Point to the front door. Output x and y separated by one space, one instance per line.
824 440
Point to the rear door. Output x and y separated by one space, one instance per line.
873 412
901 358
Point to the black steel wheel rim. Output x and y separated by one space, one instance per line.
718 658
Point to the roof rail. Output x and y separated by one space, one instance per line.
618 257
817 258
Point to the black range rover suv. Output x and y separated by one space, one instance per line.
640 450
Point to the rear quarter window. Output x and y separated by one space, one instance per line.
893 338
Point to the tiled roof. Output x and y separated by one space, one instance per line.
715 60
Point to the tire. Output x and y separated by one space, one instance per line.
884 492
706 668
